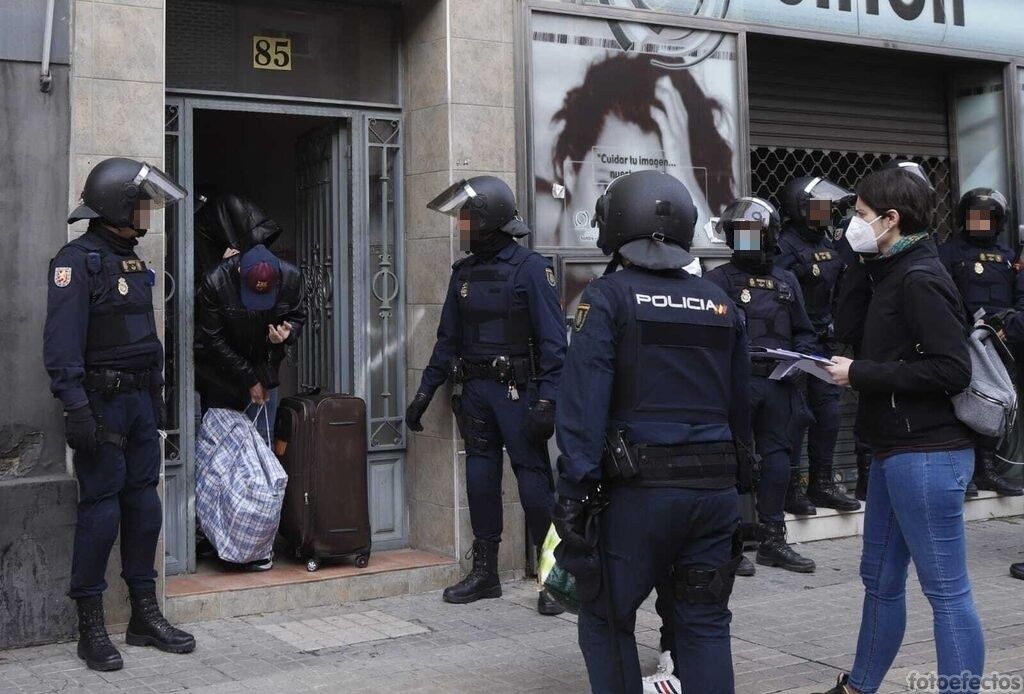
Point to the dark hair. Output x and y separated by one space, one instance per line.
623 86
892 189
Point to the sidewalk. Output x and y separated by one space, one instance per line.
791 633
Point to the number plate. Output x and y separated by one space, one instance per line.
271 53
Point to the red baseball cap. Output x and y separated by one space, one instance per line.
261 272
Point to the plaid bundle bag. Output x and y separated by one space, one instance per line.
239 487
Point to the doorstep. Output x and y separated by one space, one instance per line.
829 524
211 593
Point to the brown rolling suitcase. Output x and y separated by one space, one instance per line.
321 442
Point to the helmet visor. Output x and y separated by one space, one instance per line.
453 198
745 213
824 189
156 186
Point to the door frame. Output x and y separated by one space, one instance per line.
349 237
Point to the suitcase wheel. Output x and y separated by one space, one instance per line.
312 565
362 561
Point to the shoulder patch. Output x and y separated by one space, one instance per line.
551 276
61 276
581 316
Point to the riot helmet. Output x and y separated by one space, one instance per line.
816 203
913 168
121 192
750 227
489 202
647 217
982 215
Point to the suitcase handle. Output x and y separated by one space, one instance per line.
342 424
309 390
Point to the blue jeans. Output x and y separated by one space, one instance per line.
915 510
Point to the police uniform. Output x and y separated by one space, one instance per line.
504 308
101 349
665 355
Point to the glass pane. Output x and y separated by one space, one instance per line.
981 129
321 49
613 97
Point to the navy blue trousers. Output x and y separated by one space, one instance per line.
771 412
647 532
489 420
823 401
117 492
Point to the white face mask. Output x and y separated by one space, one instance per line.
861 236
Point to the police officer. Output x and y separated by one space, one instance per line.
105 362
982 268
501 342
810 203
770 301
653 397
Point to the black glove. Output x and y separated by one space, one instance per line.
539 424
996 321
80 429
570 518
415 411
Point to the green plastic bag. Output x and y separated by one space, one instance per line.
560 584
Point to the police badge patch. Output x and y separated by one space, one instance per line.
122 286
745 296
62 276
816 270
979 268
581 316
464 290
550 275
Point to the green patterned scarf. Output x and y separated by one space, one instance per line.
903 244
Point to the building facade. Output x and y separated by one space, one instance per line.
342 119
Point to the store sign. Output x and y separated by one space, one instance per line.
271 53
992 26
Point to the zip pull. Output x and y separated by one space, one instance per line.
306 498
513 392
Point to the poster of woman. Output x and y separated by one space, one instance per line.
613 97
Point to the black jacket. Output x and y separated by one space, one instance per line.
233 352
912 354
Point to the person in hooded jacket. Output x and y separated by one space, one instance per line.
983 270
810 204
912 353
228 224
501 342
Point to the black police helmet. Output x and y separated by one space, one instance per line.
912 168
490 202
648 206
752 215
984 199
115 185
798 193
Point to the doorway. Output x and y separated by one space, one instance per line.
296 162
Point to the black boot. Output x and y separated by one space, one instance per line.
746 568
823 491
842 686
148 627
796 502
972 490
94 646
547 606
987 477
773 550
863 470
482 581
1017 570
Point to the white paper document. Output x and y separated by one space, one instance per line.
790 361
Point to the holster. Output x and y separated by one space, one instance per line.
708 586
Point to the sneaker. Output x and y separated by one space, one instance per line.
663 681
260 564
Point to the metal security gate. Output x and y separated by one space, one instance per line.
320 209
842 112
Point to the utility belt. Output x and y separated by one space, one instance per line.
517 370
110 381
763 367
702 465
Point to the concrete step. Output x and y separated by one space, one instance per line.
829 524
213 593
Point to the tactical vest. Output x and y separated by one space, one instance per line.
817 269
764 302
985 278
122 329
493 322
674 355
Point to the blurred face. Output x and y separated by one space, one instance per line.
819 213
746 235
979 222
143 215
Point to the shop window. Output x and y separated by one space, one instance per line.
981 128
772 167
